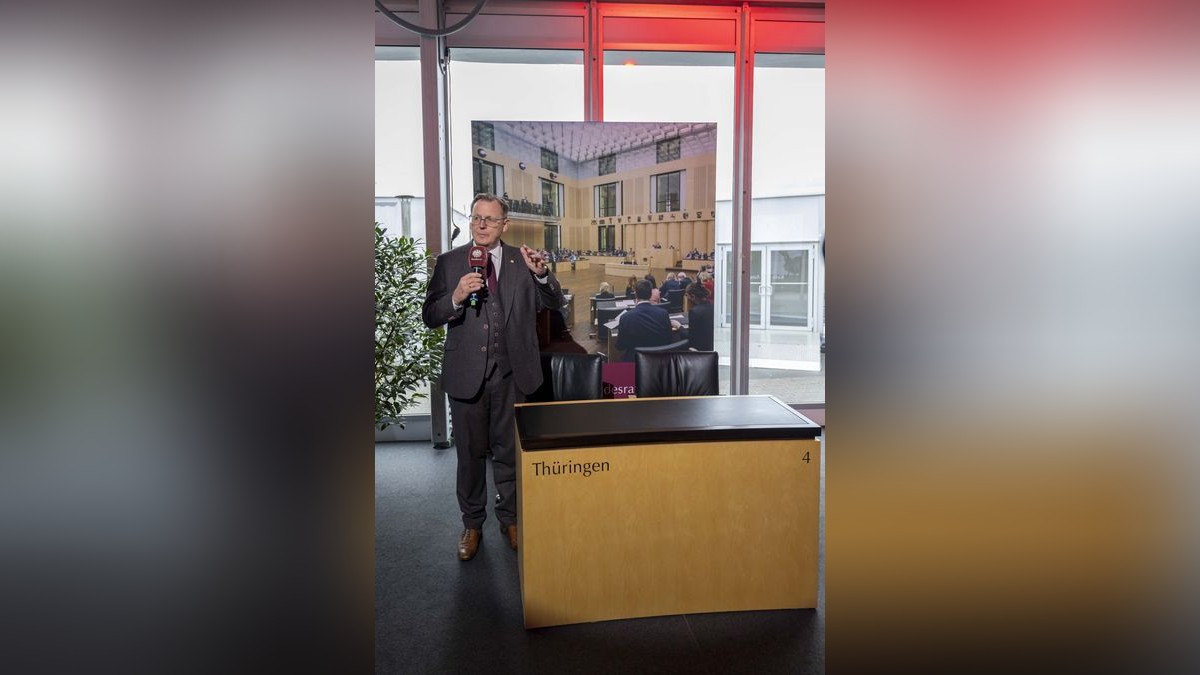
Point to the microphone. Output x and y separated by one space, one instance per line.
477 256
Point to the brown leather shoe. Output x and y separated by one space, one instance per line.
510 531
468 543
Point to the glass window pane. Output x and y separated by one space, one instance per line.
667 150
551 198
701 90
506 84
681 87
606 200
488 178
788 221
399 168
790 299
549 160
667 196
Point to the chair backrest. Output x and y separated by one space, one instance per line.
605 313
675 373
679 346
674 300
570 377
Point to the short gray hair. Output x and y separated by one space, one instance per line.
489 197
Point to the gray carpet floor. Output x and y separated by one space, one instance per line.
435 614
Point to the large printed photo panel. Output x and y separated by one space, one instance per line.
610 204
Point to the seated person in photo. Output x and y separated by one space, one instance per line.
645 325
705 279
669 285
631 287
605 291
683 280
700 319
650 277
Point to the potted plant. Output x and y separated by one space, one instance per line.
407 353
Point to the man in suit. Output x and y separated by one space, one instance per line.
646 325
491 359
669 285
700 319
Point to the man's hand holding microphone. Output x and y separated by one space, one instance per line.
469 286
472 282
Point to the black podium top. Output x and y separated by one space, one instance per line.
552 426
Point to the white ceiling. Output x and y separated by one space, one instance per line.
580 141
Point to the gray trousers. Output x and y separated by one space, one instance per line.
485 423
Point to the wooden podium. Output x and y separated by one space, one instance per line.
662 258
649 507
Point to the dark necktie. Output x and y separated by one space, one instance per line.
491 278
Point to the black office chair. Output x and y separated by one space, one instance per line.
570 377
604 314
674 300
659 372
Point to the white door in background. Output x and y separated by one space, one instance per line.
788 291
782 278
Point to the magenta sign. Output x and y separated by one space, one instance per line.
618 380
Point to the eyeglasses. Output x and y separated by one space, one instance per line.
475 220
